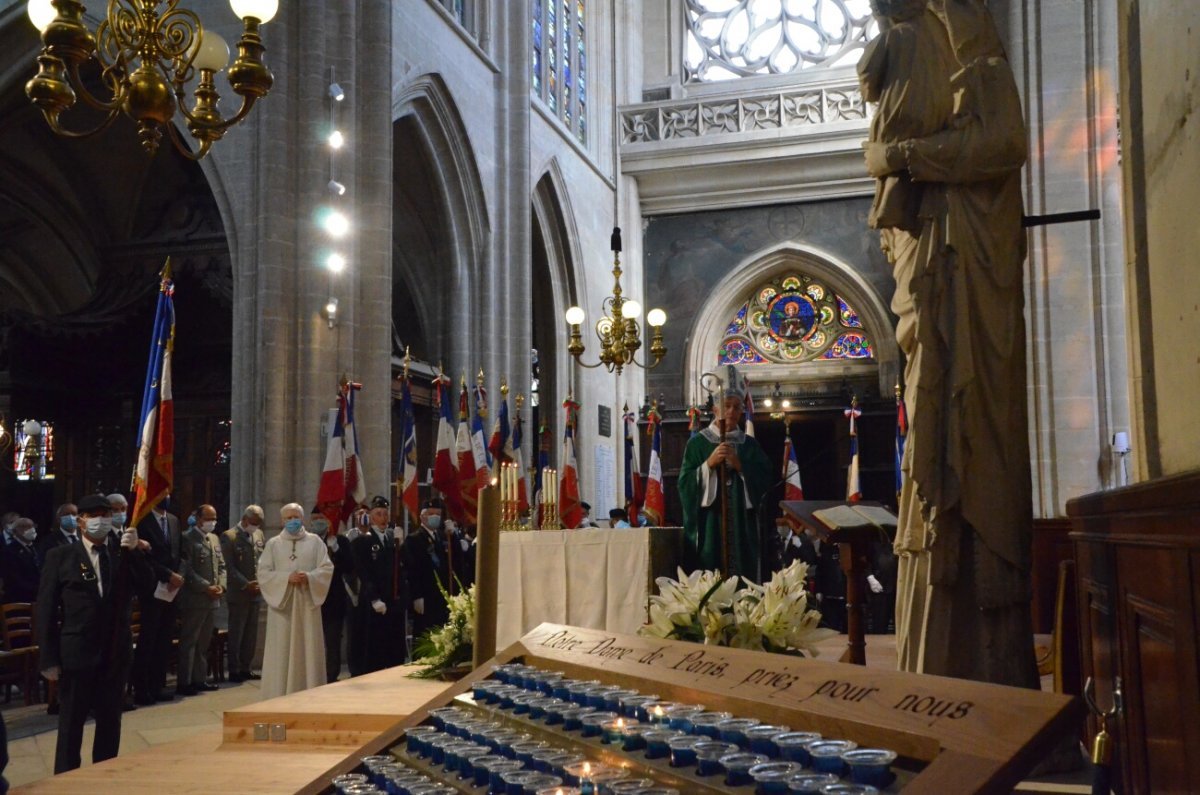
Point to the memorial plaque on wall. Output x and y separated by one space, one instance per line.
605 414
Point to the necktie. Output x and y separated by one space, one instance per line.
102 553
166 533
435 546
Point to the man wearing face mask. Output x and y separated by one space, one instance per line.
383 592
334 609
64 532
429 552
8 520
203 585
241 547
20 565
161 530
83 616
295 574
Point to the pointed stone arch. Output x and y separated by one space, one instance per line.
711 320
427 109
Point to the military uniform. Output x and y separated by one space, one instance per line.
241 549
382 582
203 567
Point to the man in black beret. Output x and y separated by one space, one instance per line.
83 618
383 591
430 550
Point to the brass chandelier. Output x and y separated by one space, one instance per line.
618 330
148 51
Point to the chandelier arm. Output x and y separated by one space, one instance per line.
181 144
57 129
243 111
88 97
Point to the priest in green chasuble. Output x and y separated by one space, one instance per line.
746 474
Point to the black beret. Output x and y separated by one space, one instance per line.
618 513
433 503
93 503
379 501
585 505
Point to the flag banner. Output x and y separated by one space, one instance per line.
498 446
749 401
543 463
569 509
694 415
483 461
342 489
154 473
656 502
901 437
853 490
407 469
513 451
792 489
468 475
445 469
633 469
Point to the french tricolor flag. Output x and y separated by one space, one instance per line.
154 475
853 490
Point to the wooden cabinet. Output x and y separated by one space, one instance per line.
1138 556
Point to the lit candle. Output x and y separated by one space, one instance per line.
613 731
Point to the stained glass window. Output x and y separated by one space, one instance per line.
559 61
726 39
794 318
33 450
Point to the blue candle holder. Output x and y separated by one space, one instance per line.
771 778
492 770
406 783
525 750
871 766
761 739
597 695
553 709
480 766
827 755
709 754
573 718
346 780
612 732
612 700
548 683
591 724
521 703
683 750
562 688
656 742
737 767
811 782
539 782
635 736
515 781
635 706
734 730
416 739
578 691
630 786
793 746
680 716
705 724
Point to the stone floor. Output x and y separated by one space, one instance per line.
32 733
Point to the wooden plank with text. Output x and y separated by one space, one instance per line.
951 735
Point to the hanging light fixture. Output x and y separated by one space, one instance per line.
147 56
618 330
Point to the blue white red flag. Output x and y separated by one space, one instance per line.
749 401
656 503
633 469
515 455
154 473
901 437
445 471
792 489
342 488
570 510
853 489
408 454
498 446
468 475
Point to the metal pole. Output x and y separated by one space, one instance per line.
487 573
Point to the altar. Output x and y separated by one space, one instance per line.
600 579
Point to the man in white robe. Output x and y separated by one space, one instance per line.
294 573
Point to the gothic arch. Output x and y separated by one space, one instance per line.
711 320
427 105
554 224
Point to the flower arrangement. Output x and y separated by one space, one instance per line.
703 608
449 646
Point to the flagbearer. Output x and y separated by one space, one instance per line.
428 551
383 591
746 479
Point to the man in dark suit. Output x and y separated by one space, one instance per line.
337 602
20 564
161 530
63 532
83 617
383 595
428 564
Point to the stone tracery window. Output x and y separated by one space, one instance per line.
725 39
791 319
559 61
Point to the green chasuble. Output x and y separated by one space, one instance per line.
702 517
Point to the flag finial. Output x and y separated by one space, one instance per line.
407 361
503 386
520 401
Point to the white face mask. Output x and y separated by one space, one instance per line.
97 527
209 526
30 535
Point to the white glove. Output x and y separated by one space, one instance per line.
51 673
419 606
465 544
331 542
129 539
379 607
876 586
796 542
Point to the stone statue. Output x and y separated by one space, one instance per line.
966 509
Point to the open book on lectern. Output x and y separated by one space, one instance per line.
832 516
